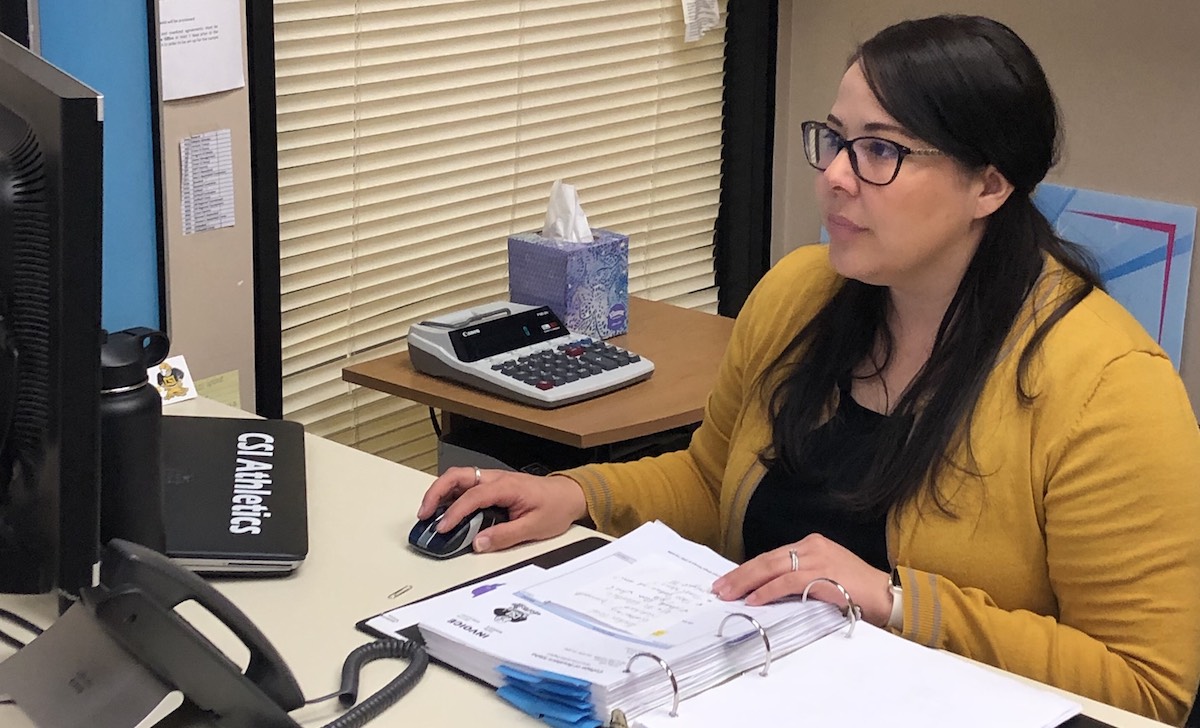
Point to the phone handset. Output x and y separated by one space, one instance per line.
135 601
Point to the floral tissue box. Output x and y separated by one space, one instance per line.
585 284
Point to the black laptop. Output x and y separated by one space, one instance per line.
234 495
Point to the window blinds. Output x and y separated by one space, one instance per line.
415 135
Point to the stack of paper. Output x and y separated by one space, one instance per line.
874 679
557 642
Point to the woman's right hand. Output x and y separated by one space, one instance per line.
538 507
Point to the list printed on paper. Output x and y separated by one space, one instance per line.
206 179
699 17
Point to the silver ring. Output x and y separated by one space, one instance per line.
478 475
670 675
853 611
795 559
761 633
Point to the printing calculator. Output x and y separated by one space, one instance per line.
523 353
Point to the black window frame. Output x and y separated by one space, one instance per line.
743 230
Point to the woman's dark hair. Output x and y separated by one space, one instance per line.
971 88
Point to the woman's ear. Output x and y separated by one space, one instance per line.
993 192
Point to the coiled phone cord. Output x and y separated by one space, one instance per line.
368 709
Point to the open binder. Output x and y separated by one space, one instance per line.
762 666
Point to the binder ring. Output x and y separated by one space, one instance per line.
761 633
852 610
670 674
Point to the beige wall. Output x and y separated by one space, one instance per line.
210 274
1127 76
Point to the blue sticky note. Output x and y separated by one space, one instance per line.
548 682
586 723
548 693
546 710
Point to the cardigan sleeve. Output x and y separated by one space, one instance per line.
1122 518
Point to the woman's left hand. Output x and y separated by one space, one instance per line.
769 576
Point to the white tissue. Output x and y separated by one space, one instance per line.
564 216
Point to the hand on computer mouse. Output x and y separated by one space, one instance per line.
425 538
538 507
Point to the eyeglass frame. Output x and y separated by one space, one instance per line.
848 146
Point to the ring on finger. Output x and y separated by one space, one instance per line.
478 476
795 559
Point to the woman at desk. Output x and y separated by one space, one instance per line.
941 410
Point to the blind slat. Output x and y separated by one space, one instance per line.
415 137
386 318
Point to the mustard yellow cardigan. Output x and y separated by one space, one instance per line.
1075 561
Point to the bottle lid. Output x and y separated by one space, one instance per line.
126 355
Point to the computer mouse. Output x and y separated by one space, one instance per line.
425 539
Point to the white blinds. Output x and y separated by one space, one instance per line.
415 135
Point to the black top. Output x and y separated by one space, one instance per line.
786 507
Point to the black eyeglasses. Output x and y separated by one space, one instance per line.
874 160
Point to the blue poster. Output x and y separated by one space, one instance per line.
1143 247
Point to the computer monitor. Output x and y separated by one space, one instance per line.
51 151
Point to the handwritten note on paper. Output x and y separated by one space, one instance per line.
206 180
646 598
201 47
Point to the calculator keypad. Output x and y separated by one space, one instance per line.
566 363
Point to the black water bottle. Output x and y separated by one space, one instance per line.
131 438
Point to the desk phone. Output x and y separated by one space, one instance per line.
523 353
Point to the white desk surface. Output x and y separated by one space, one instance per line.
360 511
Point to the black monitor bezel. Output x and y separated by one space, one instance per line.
67 118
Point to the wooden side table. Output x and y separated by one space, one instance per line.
686 347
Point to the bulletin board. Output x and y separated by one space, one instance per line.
209 273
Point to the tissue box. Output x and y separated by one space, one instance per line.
585 284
